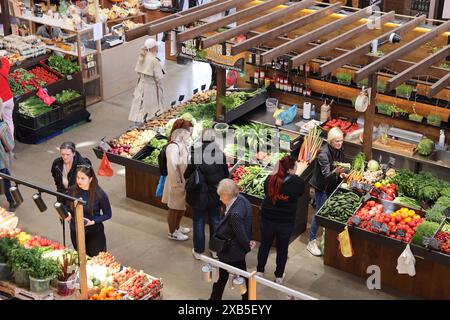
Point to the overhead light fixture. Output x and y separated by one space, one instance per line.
2 185
17 196
207 273
39 202
62 210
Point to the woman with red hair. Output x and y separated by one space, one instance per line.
283 188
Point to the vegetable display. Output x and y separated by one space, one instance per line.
443 238
67 95
33 107
426 230
345 126
152 159
341 206
21 81
311 145
359 163
44 75
62 65
232 100
251 180
425 147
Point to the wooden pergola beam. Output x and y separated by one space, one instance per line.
200 30
143 30
313 35
415 69
333 43
438 86
332 65
248 26
284 28
394 55
156 28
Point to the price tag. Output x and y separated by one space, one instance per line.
431 243
69 77
400 233
380 227
195 91
367 197
366 187
354 185
203 87
356 221
391 161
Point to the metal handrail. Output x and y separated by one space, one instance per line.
246 274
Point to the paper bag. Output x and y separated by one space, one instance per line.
105 168
406 263
345 243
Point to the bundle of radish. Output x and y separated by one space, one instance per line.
311 145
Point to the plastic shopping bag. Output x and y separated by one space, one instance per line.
43 95
105 168
345 243
160 187
406 263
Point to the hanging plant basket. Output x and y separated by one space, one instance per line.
381 86
404 91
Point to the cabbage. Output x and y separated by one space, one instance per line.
373 166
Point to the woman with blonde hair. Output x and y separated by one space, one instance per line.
326 177
148 95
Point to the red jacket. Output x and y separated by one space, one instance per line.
5 91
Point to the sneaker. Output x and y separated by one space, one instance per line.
279 280
184 230
12 207
213 254
177 236
260 274
195 254
313 248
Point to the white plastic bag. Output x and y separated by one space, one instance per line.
406 263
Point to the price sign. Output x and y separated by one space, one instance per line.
356 221
367 197
400 233
69 77
379 227
195 91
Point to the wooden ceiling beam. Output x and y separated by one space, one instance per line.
156 28
314 35
348 57
418 67
333 43
248 26
284 28
396 54
200 30
438 86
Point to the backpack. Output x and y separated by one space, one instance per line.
162 160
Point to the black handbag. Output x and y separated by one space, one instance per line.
219 245
195 180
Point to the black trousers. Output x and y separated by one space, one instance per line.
95 238
219 286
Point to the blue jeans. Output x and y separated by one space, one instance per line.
198 221
282 233
7 186
321 197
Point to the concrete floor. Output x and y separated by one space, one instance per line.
136 234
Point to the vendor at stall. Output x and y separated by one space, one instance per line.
45 32
326 177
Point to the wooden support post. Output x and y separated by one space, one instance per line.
221 90
5 17
369 116
81 245
252 286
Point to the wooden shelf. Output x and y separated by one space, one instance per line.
93 78
90 100
86 52
140 15
51 22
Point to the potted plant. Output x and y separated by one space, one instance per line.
344 78
415 117
434 120
41 272
400 112
404 91
444 66
6 245
363 83
379 53
381 86
67 277
385 108
20 260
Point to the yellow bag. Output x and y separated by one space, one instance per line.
345 243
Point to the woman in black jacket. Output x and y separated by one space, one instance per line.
326 177
282 190
211 163
64 168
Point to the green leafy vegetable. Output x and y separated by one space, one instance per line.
33 107
62 65
425 229
67 95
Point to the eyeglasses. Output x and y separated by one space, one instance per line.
84 166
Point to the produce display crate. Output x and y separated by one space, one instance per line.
73 105
141 165
41 121
248 106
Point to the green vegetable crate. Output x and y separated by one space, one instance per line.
73 105
41 121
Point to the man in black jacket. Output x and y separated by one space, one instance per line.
64 168
326 178
236 227
211 164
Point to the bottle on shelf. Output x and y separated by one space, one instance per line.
277 83
307 68
286 65
250 57
286 82
441 143
308 92
267 81
313 112
325 112
257 59
261 75
256 77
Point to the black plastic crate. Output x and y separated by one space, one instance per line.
73 105
41 121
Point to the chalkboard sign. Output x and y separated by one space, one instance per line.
400 233
356 221
380 227
181 98
360 186
431 243
195 91
367 197
203 87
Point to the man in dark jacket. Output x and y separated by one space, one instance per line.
64 168
236 227
210 162
326 178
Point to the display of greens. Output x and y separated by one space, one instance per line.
33 107
251 180
408 202
67 95
232 100
341 206
6 245
21 81
425 229
157 143
62 65
152 159
200 111
359 163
